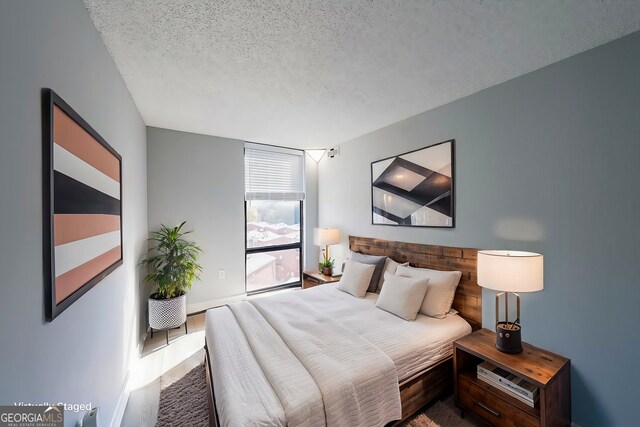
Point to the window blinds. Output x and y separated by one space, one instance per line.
273 173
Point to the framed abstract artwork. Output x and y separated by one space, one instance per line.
82 192
415 189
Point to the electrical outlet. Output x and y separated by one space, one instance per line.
221 274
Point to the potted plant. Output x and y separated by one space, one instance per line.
173 264
326 266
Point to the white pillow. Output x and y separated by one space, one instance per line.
440 292
402 296
377 260
355 278
390 267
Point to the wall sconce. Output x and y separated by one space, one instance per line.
316 154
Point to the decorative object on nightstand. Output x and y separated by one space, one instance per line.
312 278
510 272
326 237
538 392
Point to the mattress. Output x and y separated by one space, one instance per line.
413 346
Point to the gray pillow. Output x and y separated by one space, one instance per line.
390 266
378 261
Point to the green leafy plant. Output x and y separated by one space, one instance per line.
173 262
326 262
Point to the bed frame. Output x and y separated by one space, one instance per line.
437 380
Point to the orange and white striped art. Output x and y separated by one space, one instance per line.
84 203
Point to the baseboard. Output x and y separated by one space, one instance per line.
205 305
141 343
116 420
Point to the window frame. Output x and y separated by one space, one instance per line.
274 248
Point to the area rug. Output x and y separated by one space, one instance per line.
184 403
443 413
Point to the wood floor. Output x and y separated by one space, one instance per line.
160 366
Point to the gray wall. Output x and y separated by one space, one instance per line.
200 179
83 355
547 162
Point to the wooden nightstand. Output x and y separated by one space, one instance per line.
548 371
313 278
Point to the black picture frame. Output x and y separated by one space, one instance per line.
446 203
52 309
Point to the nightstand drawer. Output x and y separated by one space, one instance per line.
311 279
310 282
490 407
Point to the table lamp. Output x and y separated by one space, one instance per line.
510 272
326 237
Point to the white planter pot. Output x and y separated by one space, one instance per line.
167 313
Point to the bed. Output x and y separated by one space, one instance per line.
323 356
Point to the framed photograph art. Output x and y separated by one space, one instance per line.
82 194
415 189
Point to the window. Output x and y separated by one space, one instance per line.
274 193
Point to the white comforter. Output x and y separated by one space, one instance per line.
348 381
277 360
413 346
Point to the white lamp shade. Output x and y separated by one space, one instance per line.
511 271
326 236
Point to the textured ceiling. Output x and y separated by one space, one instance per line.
315 73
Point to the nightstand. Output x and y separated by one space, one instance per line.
546 370
313 278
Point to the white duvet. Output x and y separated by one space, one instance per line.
413 346
318 357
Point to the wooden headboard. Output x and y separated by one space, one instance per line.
468 299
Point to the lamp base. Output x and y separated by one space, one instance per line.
508 337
